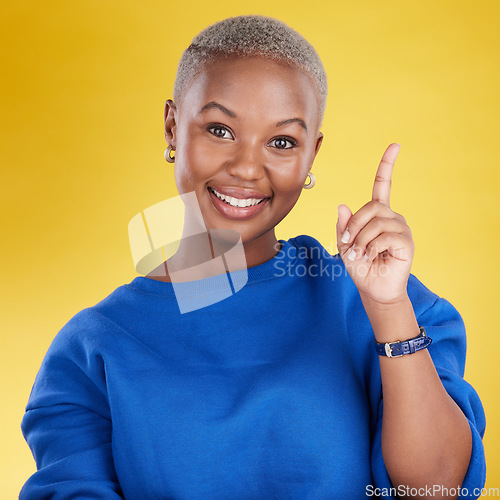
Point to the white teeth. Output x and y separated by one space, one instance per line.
236 202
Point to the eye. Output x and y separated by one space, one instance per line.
220 131
283 143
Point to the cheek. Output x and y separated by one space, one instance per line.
290 175
197 162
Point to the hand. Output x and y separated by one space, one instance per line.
380 240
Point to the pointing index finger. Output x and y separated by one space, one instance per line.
382 184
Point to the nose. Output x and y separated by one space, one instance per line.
248 162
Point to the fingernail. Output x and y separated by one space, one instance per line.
352 255
345 237
365 257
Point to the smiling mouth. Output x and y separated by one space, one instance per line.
237 202
236 208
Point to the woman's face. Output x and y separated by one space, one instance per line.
245 136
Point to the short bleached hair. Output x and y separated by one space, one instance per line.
250 36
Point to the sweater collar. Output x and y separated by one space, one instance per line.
271 269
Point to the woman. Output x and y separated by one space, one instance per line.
275 389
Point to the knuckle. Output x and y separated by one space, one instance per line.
385 161
358 246
380 206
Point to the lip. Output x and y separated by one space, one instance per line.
239 213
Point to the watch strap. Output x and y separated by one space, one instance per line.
399 348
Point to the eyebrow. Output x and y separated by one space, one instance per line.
292 120
213 104
216 105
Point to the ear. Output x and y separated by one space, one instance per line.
319 141
170 122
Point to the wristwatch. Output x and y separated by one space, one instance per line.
399 348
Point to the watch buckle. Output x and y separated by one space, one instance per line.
388 349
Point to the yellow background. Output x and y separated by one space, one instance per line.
83 88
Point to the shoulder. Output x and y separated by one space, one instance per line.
309 242
322 263
310 249
83 347
95 328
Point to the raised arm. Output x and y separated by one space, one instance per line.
426 438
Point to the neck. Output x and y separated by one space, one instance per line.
203 254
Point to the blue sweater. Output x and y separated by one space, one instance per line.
271 393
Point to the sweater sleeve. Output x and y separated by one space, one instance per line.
67 423
445 326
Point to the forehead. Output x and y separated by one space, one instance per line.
255 87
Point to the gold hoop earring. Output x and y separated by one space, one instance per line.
312 181
167 156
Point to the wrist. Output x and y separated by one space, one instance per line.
371 304
400 348
392 321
